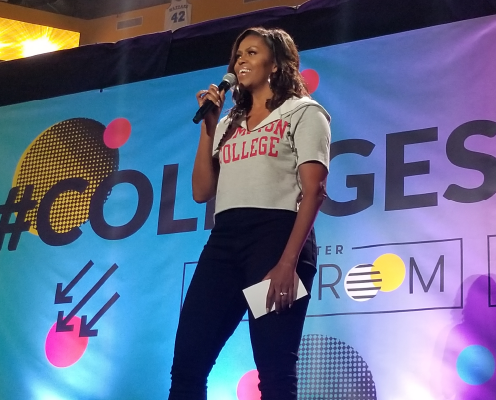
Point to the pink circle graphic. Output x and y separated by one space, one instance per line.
117 133
63 349
312 79
248 386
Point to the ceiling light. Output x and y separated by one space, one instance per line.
32 47
21 39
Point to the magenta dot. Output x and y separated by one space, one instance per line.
117 133
63 349
311 78
248 386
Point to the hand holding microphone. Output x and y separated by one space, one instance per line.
227 81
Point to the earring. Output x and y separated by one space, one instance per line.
271 79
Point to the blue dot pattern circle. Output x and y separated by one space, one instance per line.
329 369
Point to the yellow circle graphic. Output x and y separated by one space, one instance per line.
73 148
392 271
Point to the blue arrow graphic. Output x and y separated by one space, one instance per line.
85 330
63 323
61 294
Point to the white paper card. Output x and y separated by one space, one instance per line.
256 296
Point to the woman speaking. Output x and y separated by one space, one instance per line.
266 163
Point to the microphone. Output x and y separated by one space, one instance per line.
227 81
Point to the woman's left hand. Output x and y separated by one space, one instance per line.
283 280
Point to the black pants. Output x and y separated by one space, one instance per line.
244 245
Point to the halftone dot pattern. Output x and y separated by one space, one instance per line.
68 149
329 369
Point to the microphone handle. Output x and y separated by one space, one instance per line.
209 104
203 110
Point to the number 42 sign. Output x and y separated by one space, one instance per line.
178 14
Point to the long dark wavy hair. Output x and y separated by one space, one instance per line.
285 83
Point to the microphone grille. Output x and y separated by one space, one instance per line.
230 78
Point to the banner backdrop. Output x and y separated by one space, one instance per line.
403 301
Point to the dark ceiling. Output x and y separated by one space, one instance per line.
325 22
88 9
91 9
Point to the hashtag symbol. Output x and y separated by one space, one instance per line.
21 208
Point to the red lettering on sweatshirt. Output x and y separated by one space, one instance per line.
226 149
235 157
253 151
240 131
280 129
269 127
273 142
263 145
